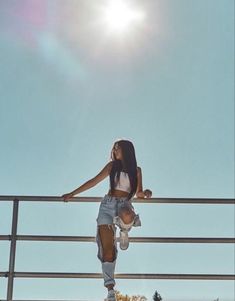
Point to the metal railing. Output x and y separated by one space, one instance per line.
11 273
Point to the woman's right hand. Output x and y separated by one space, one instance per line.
67 196
147 193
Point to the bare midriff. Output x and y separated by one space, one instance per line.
118 193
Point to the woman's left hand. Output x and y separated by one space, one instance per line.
147 193
67 197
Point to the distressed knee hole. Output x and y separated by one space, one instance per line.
107 251
127 215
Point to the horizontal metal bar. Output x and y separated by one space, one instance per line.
98 199
4 274
5 237
217 240
123 276
57 238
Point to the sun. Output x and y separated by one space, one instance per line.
119 17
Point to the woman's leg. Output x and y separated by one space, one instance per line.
107 253
125 220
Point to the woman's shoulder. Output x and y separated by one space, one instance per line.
138 169
109 166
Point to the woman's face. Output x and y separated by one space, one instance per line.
117 151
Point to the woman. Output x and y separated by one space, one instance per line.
116 208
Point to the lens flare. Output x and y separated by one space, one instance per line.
120 17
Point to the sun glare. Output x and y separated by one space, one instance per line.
120 17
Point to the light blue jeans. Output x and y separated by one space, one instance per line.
109 215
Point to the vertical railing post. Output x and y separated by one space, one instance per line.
12 251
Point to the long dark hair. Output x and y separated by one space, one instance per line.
128 164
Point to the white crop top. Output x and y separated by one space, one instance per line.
124 182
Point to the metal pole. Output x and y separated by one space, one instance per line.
127 276
208 201
12 251
206 240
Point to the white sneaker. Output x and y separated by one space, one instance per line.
111 296
124 240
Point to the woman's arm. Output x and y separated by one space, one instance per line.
139 191
92 182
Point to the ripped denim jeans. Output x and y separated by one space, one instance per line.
109 215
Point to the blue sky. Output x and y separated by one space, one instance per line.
69 89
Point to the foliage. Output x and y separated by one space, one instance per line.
121 297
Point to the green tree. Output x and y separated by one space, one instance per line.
157 297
